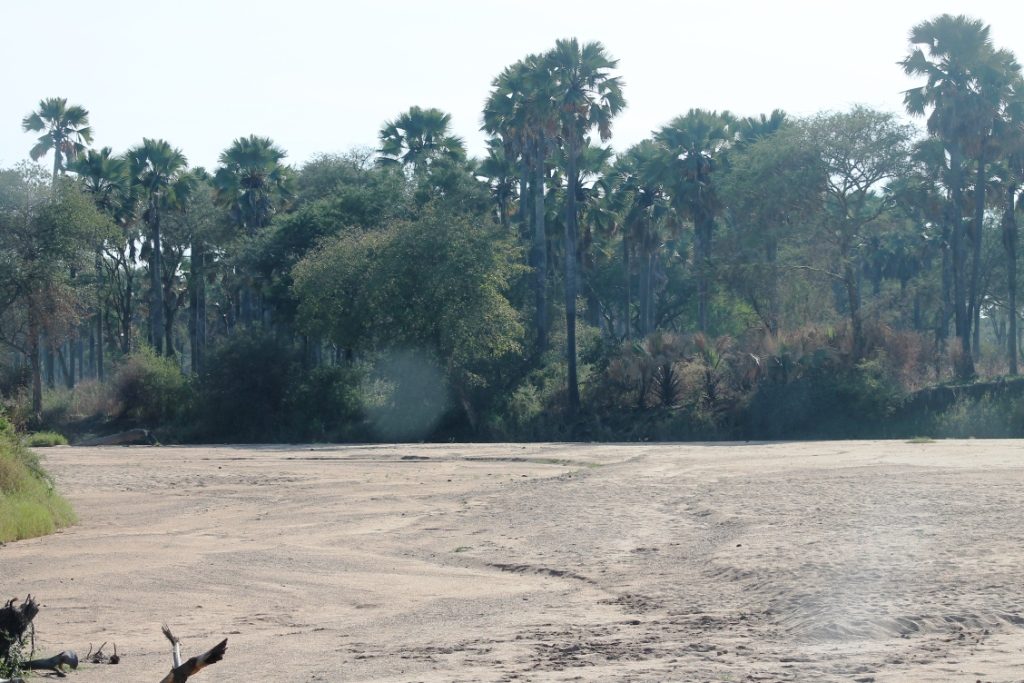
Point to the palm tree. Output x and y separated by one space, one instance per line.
587 96
252 182
417 137
642 205
65 131
156 169
500 174
966 88
693 147
1010 135
520 109
254 185
105 177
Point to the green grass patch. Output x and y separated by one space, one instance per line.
921 439
44 439
29 505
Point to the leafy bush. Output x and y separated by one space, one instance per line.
325 404
243 389
43 439
148 389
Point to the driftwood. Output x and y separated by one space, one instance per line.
14 622
66 658
128 438
182 672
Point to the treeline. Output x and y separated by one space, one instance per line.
730 276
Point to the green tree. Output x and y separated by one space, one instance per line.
967 82
65 131
861 151
644 212
436 285
521 110
104 177
253 185
772 189
586 96
158 177
45 230
417 137
694 145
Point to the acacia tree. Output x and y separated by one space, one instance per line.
586 96
861 150
773 188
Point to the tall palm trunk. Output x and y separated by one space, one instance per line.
523 213
570 279
974 300
704 227
156 313
772 256
197 307
1010 241
99 317
961 317
540 248
627 326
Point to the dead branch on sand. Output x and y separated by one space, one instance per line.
182 672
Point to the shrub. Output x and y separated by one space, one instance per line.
148 389
43 439
242 392
325 404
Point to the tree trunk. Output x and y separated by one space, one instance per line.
540 249
99 317
1010 241
704 226
34 362
627 321
961 318
570 279
974 296
156 314
771 255
853 302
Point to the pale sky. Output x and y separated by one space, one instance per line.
323 76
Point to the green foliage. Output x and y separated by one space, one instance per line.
11 665
43 439
256 389
149 389
435 285
29 506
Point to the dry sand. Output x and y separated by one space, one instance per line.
863 561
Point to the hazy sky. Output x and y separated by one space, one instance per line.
323 76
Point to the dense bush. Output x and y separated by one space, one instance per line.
148 389
256 389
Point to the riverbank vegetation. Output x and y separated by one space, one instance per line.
735 275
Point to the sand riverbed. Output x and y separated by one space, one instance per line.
862 561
